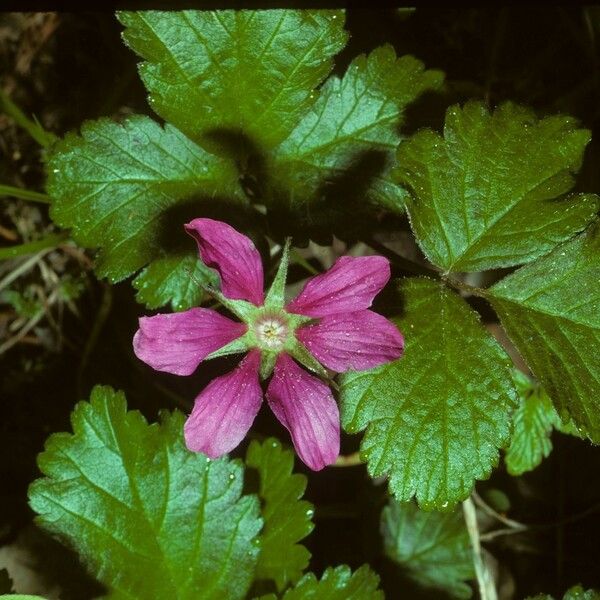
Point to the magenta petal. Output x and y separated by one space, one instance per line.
350 285
225 410
233 255
178 342
358 340
305 406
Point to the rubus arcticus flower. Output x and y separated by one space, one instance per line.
327 326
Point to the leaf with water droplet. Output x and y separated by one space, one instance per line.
352 129
248 71
551 311
436 418
287 517
338 583
122 491
176 279
132 206
494 191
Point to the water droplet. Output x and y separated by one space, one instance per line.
310 512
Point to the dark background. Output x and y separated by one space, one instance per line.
66 68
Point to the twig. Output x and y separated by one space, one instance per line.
26 328
490 511
514 527
487 590
101 316
23 268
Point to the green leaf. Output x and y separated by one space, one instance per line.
355 119
229 72
432 547
174 279
20 597
578 593
533 422
338 583
493 192
575 593
551 311
129 188
287 518
436 417
149 518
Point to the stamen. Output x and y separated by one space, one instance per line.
271 332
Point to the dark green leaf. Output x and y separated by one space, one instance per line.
436 417
354 124
175 279
338 583
287 518
118 187
432 547
149 518
251 72
533 422
551 311
6 583
575 593
578 593
493 191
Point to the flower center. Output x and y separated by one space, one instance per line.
271 331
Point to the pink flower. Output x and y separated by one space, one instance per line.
327 326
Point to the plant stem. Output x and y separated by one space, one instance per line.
15 192
34 129
490 511
348 460
487 590
461 286
31 247
99 321
418 269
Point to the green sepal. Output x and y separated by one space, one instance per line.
299 351
239 345
276 295
244 310
267 363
